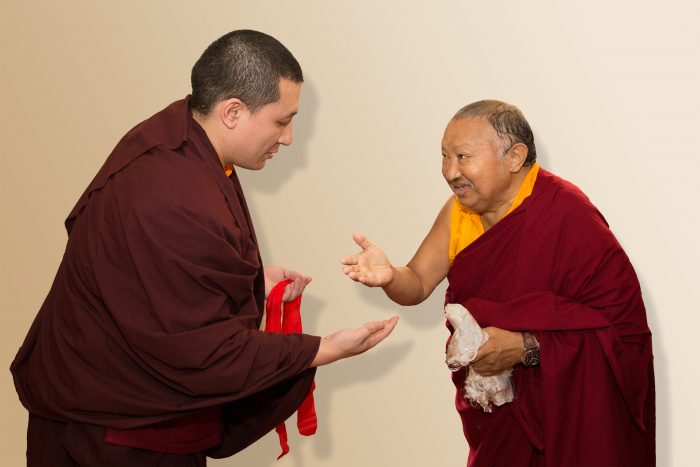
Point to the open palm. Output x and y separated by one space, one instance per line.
370 267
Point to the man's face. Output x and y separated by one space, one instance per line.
473 164
258 135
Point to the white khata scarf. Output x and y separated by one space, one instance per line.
462 349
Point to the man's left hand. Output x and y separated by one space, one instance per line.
501 352
276 274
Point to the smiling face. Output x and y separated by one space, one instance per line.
254 137
480 172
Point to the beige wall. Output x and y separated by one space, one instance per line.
609 88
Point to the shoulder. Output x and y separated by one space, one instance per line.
171 181
567 215
562 212
449 208
566 200
168 127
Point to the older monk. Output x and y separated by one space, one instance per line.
535 263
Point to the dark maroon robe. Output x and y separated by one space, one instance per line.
152 322
553 267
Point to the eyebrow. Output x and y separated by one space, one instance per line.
459 146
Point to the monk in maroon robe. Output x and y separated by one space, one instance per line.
147 350
536 265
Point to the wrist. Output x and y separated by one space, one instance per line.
323 355
390 279
328 352
530 355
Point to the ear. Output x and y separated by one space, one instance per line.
517 155
230 112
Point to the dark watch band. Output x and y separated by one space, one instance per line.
531 352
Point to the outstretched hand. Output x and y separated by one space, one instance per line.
370 267
350 342
276 274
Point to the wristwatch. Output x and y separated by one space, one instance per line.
531 353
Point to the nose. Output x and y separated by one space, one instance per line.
286 136
449 168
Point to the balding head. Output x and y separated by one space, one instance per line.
508 122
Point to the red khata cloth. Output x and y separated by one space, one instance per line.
152 322
553 267
286 318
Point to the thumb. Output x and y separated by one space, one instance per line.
361 240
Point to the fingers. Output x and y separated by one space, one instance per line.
370 280
361 240
361 275
483 351
295 276
296 288
290 292
349 260
354 259
379 330
354 275
289 274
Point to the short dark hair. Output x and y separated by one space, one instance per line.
244 64
508 121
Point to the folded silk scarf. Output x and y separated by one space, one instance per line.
286 318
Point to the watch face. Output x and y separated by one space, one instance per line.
531 358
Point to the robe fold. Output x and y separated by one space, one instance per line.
154 314
554 268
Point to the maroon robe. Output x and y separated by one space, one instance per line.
152 322
553 267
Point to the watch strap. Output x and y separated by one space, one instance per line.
531 351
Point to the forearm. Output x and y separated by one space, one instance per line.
406 287
327 353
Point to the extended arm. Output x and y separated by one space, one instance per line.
410 284
350 342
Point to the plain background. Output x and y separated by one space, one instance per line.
610 89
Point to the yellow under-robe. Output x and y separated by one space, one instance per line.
465 224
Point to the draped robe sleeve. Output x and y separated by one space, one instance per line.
554 268
155 310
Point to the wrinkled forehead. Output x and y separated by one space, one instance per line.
470 132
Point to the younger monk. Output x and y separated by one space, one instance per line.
147 350
535 263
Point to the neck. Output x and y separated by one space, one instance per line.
489 218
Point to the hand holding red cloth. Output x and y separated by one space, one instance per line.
286 319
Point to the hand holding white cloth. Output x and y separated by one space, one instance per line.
462 349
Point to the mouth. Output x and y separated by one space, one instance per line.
461 188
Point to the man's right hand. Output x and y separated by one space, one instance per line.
370 267
349 342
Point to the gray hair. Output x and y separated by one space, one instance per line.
508 122
244 64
